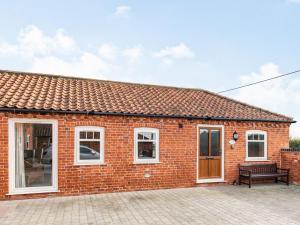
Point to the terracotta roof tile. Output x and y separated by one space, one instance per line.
38 91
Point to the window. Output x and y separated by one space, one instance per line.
256 145
89 145
33 156
146 146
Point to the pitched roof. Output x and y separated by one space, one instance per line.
21 90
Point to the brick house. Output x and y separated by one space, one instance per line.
70 136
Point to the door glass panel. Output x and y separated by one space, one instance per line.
215 143
203 142
33 155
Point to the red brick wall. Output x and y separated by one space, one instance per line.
178 149
291 160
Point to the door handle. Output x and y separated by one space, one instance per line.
209 157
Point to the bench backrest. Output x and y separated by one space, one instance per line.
259 168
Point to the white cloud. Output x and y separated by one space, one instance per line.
39 51
88 64
281 95
133 54
32 41
8 49
55 54
108 51
122 10
179 51
60 54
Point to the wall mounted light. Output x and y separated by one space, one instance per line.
235 136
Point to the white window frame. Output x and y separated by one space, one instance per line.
146 161
11 142
77 139
265 157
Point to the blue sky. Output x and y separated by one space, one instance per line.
213 45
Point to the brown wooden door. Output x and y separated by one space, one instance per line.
210 153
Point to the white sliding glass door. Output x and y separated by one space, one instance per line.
32 156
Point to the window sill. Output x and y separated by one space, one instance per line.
257 160
28 192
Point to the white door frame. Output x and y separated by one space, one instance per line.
212 180
11 142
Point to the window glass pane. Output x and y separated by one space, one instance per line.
203 142
255 149
261 137
146 136
146 150
255 136
215 143
96 135
90 135
33 155
89 150
250 136
140 136
82 134
153 136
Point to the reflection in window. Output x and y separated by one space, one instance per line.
146 150
33 155
215 143
255 149
89 150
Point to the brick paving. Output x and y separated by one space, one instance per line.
262 204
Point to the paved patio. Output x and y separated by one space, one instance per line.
263 204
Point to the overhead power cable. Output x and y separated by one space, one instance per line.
261 81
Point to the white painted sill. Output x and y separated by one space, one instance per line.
32 192
257 160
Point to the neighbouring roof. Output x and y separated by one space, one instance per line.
21 90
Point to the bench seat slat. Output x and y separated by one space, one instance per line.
265 175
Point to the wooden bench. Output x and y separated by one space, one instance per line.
250 172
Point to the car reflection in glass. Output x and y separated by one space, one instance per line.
85 154
88 153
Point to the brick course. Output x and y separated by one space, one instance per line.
178 150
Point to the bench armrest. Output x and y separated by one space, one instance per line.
282 169
247 171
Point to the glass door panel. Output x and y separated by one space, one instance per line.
204 151
215 143
33 155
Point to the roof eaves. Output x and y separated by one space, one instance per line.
24 110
